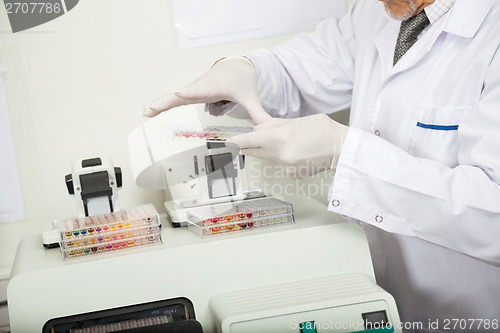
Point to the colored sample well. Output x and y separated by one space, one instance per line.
214 133
240 216
109 232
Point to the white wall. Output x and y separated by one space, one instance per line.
75 89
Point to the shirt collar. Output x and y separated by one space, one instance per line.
437 9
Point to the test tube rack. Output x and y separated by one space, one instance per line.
82 237
239 216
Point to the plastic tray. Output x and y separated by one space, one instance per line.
239 216
109 232
211 133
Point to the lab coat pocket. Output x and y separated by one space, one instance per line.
435 135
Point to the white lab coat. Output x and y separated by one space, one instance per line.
427 195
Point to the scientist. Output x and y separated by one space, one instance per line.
419 165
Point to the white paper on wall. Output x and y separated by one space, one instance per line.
11 201
205 22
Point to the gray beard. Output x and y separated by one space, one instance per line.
411 10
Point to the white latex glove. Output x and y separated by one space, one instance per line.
230 79
304 146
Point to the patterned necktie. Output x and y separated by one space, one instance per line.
408 34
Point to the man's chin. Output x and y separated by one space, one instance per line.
401 15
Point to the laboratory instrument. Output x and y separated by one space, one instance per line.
189 160
312 273
94 183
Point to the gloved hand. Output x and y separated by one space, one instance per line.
304 146
230 79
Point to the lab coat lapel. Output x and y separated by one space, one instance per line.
385 42
420 48
464 19
466 16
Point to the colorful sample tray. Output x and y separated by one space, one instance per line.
239 216
212 133
80 237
